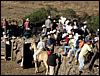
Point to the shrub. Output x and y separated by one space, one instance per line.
37 16
70 13
93 23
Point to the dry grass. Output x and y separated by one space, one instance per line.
17 9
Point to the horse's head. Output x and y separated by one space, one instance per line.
32 44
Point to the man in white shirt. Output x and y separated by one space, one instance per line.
82 54
48 24
40 47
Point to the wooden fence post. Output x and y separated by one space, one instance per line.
12 49
23 42
5 48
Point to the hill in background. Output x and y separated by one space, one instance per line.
17 9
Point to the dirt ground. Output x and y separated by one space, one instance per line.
12 68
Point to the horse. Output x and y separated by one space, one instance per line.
42 56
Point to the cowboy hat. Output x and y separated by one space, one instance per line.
13 37
27 19
49 17
5 36
43 26
85 22
54 20
54 31
64 35
51 32
70 36
48 33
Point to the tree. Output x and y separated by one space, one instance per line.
70 13
93 23
37 16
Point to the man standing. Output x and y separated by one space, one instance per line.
48 24
52 63
83 53
26 28
5 25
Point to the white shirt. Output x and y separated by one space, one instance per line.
41 45
69 28
85 50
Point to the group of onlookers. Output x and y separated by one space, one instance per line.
74 39
77 41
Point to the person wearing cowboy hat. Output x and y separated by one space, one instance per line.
54 34
43 30
40 47
27 28
65 43
51 42
54 25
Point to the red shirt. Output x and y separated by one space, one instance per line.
26 25
67 40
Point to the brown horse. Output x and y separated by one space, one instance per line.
42 56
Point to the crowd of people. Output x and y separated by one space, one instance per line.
75 40
14 27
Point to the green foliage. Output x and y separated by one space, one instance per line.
40 15
84 16
93 22
37 16
70 13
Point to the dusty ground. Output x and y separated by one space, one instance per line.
12 68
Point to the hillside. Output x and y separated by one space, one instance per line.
17 9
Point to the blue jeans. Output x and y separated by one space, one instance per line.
77 53
66 47
81 63
74 50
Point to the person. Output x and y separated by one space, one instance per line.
81 43
20 27
48 24
43 30
71 50
66 42
40 47
54 25
26 28
69 27
82 55
75 23
51 42
96 54
5 25
52 63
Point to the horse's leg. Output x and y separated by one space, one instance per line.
35 61
36 67
45 63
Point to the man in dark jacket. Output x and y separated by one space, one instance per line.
52 63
